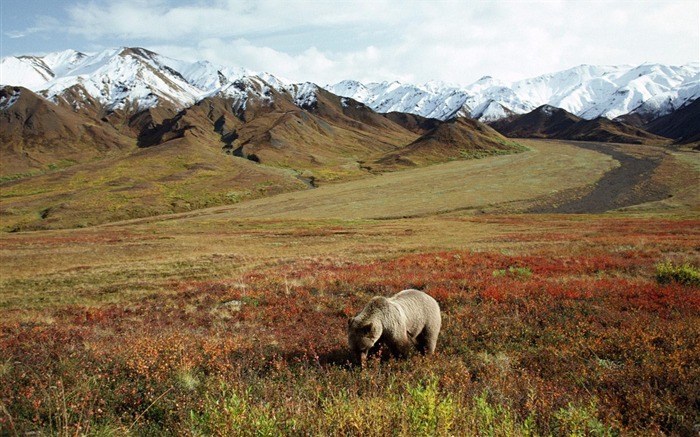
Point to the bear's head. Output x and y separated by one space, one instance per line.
362 335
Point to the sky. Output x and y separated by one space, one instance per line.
324 41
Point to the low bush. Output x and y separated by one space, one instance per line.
687 274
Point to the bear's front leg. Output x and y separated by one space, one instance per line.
400 346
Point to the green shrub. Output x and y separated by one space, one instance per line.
686 274
514 272
577 420
429 412
233 412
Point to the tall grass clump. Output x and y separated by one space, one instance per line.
233 412
575 420
429 412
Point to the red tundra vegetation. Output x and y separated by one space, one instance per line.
574 335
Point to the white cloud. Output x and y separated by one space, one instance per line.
41 24
408 40
159 20
15 34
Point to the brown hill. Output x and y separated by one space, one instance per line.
556 123
544 122
414 123
332 137
683 125
328 139
459 138
36 135
180 175
602 129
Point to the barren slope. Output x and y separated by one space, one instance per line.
459 186
36 135
550 174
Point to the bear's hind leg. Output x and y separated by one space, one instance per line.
426 341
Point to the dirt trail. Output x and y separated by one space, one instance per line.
627 185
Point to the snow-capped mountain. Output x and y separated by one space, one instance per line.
433 100
137 79
587 91
117 78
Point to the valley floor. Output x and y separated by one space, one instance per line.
231 320
552 176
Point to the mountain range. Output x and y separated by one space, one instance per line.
123 81
118 76
135 79
128 133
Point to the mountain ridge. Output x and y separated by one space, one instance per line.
588 91
136 93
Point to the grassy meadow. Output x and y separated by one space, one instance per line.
232 321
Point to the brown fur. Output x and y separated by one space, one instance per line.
410 319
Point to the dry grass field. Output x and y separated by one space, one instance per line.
231 320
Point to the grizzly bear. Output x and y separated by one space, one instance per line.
409 319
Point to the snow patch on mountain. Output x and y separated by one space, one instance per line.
125 77
27 71
62 62
433 100
7 101
304 95
352 89
205 75
490 110
242 90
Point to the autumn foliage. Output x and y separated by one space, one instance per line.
567 339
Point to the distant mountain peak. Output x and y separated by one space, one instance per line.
548 109
137 51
